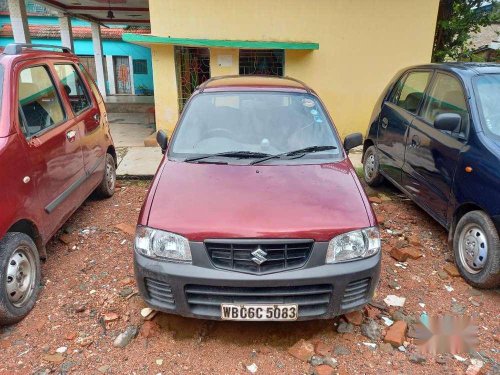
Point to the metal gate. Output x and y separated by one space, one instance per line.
122 74
192 66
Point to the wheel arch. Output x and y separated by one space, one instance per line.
30 229
367 143
111 150
459 212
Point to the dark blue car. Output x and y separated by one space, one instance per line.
435 134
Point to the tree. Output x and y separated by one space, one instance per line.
457 20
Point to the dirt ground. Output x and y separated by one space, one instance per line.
89 297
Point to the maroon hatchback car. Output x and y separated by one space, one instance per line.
55 150
256 213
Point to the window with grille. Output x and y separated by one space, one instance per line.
140 66
262 61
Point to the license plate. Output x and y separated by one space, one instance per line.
259 312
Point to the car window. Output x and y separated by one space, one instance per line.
77 92
265 122
410 92
38 100
91 82
488 91
445 96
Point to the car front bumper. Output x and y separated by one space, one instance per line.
197 290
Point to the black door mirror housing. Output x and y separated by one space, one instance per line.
352 140
162 139
448 121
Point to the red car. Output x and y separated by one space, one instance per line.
256 213
55 150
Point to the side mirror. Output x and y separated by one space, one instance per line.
448 121
162 139
353 140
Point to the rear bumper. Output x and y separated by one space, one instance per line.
197 290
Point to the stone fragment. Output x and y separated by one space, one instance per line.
354 317
442 275
316 360
54 358
149 329
396 333
416 358
322 349
127 228
451 270
302 350
344 327
110 317
124 338
393 300
341 350
323 370
330 361
371 312
386 347
371 330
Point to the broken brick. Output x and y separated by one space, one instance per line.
323 370
396 333
322 349
302 350
127 228
371 312
375 200
354 317
412 253
398 254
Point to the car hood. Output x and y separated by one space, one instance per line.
202 201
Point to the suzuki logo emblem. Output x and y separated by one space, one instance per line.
259 256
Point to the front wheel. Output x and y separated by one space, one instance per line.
477 250
107 187
371 167
19 277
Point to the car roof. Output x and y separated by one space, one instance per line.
19 51
463 68
253 83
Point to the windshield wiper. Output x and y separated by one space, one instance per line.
231 154
299 153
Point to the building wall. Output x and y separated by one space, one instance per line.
361 45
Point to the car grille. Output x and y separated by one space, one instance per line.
277 256
313 300
355 293
159 291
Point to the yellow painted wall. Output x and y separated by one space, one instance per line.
361 43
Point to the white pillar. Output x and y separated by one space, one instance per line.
98 55
131 73
66 32
19 21
111 74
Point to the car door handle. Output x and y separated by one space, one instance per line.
385 122
415 141
71 135
97 117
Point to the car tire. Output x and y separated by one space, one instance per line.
476 247
371 170
106 189
19 277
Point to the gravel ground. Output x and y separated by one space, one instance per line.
89 298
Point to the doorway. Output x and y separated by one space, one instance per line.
121 66
192 67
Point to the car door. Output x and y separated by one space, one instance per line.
396 115
87 116
52 143
432 154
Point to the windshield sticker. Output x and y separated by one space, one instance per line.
309 103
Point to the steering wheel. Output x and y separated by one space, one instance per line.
213 133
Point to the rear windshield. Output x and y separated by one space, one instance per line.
488 92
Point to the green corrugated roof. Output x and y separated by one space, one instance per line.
250 44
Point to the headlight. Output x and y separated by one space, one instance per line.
160 244
352 245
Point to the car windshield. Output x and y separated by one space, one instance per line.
247 125
488 94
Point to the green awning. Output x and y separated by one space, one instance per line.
250 44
